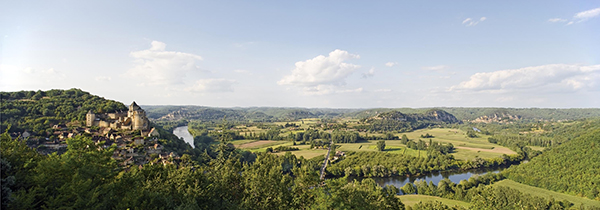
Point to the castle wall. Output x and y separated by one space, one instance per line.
134 119
103 123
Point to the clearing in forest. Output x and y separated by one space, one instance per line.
259 144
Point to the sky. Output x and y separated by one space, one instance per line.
328 54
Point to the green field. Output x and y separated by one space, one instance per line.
466 148
547 193
411 200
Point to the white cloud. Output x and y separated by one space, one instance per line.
585 15
371 73
212 85
553 77
557 20
155 66
471 22
322 72
390 64
103 78
435 68
579 17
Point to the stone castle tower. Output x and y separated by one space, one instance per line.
138 116
90 117
134 119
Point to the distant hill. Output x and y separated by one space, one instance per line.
479 114
572 167
469 114
270 114
398 121
38 111
250 114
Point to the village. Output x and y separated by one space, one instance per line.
136 142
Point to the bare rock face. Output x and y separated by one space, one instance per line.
433 115
497 118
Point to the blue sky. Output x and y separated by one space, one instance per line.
354 54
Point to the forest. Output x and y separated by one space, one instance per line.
282 171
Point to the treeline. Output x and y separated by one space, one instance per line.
543 134
481 194
573 168
38 111
171 125
86 177
379 164
525 113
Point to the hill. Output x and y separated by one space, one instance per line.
38 111
247 114
572 168
398 121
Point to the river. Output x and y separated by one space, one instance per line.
182 132
454 176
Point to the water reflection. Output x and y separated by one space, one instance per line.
182 132
435 177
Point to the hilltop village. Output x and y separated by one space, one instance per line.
137 143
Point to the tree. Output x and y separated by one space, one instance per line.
471 134
408 189
404 139
381 145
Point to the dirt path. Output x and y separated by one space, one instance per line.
495 150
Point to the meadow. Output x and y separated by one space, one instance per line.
465 148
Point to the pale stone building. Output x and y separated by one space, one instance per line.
134 119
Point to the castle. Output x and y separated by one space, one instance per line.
134 119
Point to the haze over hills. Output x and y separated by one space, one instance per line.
166 112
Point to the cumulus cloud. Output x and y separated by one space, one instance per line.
212 85
585 15
321 72
156 66
390 64
472 22
553 77
371 73
579 17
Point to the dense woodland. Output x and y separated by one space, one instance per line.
38 110
85 177
573 168
270 114
216 175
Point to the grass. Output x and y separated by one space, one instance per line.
536 191
240 142
411 200
466 148
537 148
454 136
